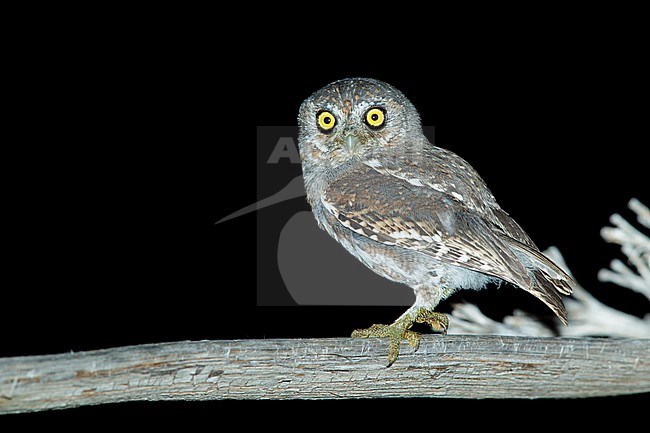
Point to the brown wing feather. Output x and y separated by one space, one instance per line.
510 228
552 272
546 291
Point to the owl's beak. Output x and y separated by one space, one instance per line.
351 143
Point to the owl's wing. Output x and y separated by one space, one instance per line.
433 168
398 213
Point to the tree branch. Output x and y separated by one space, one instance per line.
461 366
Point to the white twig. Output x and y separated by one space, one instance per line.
635 245
468 319
642 212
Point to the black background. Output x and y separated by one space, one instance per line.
122 168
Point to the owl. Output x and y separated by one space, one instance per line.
412 212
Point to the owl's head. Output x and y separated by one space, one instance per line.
354 119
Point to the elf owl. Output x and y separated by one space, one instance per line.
412 212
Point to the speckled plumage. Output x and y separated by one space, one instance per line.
412 212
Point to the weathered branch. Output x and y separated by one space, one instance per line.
445 366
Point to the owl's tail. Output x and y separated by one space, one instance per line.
548 279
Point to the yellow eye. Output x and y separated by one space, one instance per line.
326 121
375 117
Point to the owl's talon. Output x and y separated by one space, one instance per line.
413 339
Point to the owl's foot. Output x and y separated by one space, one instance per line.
397 332
401 330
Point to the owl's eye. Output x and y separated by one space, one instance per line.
375 117
326 121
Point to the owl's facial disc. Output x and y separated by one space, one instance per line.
348 132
